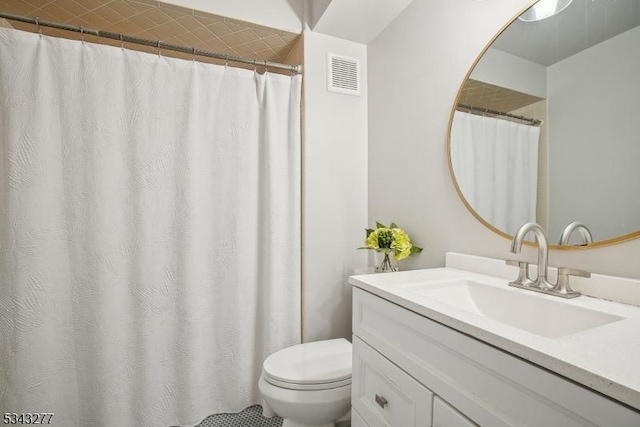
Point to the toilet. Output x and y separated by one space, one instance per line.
308 385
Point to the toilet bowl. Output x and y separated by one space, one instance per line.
309 385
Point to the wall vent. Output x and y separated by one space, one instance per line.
343 74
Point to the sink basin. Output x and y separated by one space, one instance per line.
532 313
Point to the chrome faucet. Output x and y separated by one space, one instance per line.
587 238
541 282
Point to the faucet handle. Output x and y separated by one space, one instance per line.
566 271
562 288
523 272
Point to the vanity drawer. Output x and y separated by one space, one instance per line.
385 395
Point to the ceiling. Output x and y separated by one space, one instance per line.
153 20
284 14
580 26
360 21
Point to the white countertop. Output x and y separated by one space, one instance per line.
605 358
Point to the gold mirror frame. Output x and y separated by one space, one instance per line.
599 244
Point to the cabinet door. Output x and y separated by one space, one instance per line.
446 416
383 394
356 419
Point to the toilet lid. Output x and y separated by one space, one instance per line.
319 364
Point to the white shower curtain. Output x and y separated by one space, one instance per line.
149 232
495 162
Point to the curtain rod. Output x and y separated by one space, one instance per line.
534 122
295 69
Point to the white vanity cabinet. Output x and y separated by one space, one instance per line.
410 371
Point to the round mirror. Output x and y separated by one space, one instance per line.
546 126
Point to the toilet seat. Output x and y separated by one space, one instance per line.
319 365
318 386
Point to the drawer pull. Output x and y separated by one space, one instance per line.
380 400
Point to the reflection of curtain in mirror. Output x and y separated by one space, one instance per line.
495 162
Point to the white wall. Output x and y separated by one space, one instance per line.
334 185
415 69
281 14
503 69
598 185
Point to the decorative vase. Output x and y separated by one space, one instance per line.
385 263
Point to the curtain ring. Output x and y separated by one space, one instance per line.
82 33
38 24
255 68
159 49
266 70
121 41
226 61
194 54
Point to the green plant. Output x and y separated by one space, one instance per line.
390 240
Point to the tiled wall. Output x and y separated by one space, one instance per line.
155 21
485 95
